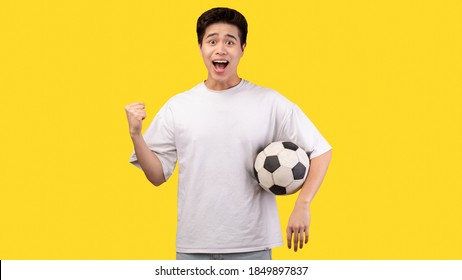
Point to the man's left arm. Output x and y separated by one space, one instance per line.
299 221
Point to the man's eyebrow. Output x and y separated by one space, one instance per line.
227 35
232 36
211 35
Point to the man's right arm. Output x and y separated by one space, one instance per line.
150 164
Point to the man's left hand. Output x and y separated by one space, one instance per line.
297 229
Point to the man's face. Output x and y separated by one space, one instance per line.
221 51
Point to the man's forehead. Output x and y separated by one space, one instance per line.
223 29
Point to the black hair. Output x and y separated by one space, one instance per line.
222 15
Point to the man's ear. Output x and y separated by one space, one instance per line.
243 47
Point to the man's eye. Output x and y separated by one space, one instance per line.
230 43
212 42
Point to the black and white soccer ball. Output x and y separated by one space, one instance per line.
281 168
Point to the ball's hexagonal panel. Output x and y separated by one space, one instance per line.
259 161
303 157
278 190
273 148
299 171
295 186
265 178
271 163
283 176
288 158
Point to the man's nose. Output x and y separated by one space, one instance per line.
221 49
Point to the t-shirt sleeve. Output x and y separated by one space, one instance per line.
160 138
300 130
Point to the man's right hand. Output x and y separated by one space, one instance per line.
147 159
135 115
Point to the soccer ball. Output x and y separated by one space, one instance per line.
281 168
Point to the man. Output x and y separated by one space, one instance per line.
215 131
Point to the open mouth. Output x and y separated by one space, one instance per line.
220 65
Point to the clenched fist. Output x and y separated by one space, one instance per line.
135 115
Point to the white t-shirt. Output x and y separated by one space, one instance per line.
215 137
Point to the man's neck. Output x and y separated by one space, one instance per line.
222 85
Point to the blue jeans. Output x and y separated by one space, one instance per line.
256 255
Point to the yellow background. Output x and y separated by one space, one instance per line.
380 79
